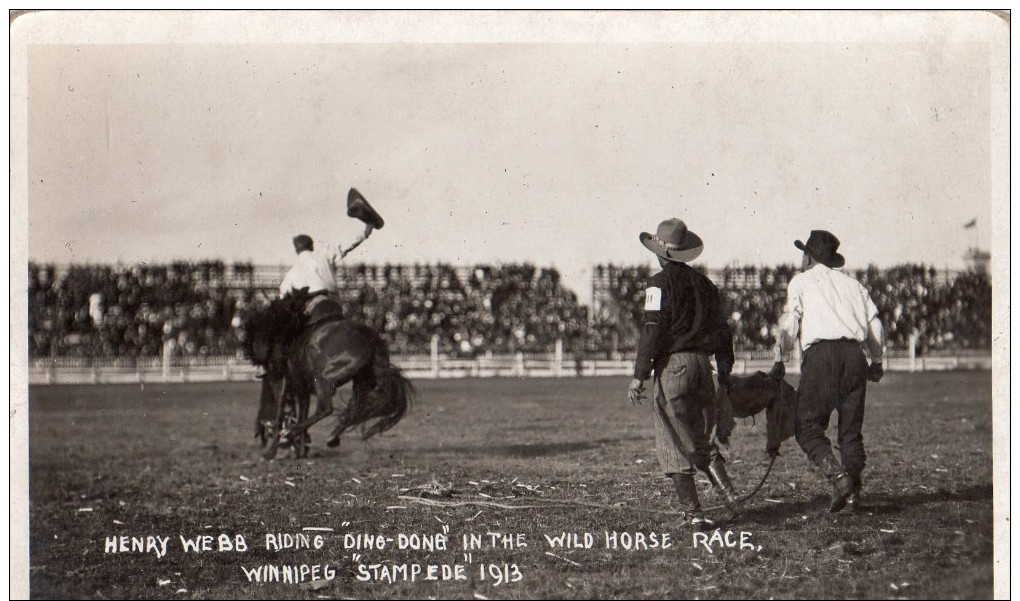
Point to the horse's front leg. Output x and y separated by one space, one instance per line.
279 387
301 441
267 409
324 407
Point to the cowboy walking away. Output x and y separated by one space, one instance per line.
684 326
834 317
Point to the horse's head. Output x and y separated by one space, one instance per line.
257 339
267 330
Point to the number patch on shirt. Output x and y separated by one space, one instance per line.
653 299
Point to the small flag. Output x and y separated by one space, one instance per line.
970 223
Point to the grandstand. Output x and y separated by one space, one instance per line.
491 318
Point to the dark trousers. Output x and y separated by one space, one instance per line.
834 376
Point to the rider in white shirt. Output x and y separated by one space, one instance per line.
316 270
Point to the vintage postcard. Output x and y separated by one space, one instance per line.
509 304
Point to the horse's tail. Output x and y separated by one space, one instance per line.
391 396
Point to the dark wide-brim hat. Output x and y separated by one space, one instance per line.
822 246
359 208
674 242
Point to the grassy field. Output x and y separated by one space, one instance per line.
180 460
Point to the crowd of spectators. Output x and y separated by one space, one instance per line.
198 309
920 306
481 310
133 311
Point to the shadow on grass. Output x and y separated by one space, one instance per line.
879 504
529 450
887 504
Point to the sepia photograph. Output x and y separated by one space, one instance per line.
583 304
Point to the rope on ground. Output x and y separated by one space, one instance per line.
744 498
544 502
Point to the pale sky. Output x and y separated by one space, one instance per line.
554 153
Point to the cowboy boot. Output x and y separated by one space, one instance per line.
722 484
842 485
853 502
690 504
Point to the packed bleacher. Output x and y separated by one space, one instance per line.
197 309
481 310
919 305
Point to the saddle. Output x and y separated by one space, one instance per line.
294 315
322 307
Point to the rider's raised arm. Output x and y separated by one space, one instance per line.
364 236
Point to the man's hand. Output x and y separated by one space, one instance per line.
875 371
778 370
636 392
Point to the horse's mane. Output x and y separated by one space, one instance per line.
280 320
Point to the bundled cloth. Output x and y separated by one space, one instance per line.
752 395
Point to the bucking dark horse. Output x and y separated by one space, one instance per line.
316 351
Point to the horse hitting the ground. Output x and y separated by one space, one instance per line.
302 358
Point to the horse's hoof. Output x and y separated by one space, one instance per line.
333 442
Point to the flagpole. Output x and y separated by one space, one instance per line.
972 224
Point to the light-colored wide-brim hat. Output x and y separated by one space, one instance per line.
674 242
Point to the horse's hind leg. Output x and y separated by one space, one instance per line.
325 385
364 382
302 441
334 437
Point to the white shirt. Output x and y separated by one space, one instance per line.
313 270
827 304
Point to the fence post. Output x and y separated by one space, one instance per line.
434 352
558 358
519 364
168 349
913 350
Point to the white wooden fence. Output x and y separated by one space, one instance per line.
68 370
